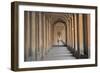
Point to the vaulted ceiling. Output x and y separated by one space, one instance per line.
59 17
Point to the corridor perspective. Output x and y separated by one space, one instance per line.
56 36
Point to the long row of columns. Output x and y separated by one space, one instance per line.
37 35
78 35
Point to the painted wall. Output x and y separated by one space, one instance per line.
5 36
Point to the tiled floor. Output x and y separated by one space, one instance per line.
59 53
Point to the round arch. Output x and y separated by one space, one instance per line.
60 32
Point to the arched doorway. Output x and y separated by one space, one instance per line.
59 34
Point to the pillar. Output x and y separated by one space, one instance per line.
33 44
27 35
81 44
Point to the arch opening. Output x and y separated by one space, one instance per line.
59 34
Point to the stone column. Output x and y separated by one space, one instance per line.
67 33
47 35
40 36
73 18
75 32
33 44
27 35
37 35
88 30
70 33
86 19
44 38
81 44
78 49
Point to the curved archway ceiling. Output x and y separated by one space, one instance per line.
58 17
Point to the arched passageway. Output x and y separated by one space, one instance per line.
59 50
56 36
59 34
